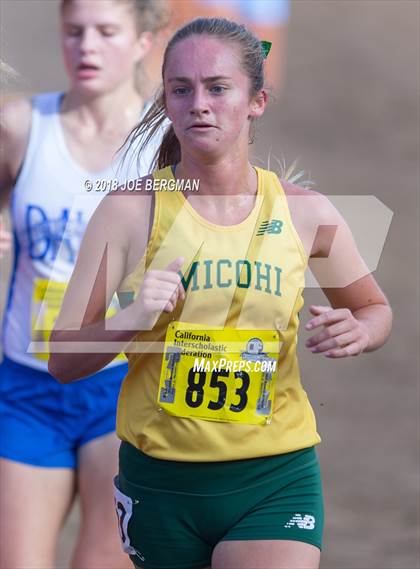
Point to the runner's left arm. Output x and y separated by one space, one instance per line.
359 317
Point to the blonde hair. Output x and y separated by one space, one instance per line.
289 173
150 15
7 73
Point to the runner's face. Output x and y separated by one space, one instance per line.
101 45
207 96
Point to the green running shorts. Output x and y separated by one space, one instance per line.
173 514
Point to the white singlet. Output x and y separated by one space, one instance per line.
52 202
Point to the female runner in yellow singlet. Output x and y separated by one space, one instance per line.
217 463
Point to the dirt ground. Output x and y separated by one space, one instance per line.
350 112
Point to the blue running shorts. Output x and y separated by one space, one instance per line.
44 423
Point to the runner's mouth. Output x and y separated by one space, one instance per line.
201 126
87 67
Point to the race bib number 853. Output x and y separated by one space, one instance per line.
219 375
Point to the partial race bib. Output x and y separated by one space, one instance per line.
219 375
124 509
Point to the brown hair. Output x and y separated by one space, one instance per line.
252 60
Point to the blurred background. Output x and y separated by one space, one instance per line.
349 110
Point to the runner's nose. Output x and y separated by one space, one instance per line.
199 102
88 41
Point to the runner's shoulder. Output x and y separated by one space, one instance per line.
296 190
318 205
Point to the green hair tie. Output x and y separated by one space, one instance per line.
266 46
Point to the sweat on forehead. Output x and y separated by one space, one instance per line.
210 55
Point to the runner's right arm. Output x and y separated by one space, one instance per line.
114 243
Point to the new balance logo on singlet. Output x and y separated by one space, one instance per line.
307 522
272 227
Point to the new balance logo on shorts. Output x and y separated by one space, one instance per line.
307 522
271 227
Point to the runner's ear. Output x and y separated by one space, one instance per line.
258 104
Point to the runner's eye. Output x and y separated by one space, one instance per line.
73 31
108 31
218 89
181 90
